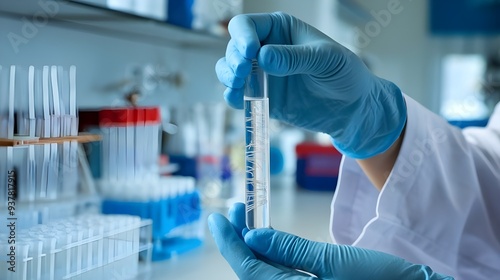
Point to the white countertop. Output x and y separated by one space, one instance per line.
301 212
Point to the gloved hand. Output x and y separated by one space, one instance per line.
314 83
284 253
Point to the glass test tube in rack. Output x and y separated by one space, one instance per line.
130 146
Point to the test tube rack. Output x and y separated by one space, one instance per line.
173 205
41 160
84 247
26 141
131 184
39 138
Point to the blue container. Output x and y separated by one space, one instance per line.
187 165
317 166
167 215
468 123
180 13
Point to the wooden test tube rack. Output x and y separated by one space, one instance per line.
24 141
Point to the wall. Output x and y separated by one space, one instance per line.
406 52
103 60
398 47
401 50
318 13
398 52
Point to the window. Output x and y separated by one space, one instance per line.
461 87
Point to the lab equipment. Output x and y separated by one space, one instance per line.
31 102
209 120
91 246
315 83
21 101
73 112
285 253
257 183
172 204
130 146
152 122
180 13
43 201
131 184
11 94
42 102
213 17
317 166
55 106
4 102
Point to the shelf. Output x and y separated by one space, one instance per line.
80 199
352 12
82 138
101 20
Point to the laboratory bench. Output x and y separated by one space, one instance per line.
294 210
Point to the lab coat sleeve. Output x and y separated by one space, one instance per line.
440 205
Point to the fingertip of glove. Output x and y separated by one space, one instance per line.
243 32
259 239
212 221
237 21
227 76
237 209
216 222
219 63
234 98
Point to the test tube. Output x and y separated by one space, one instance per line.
257 149
4 102
73 112
55 104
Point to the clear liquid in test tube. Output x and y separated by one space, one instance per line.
257 185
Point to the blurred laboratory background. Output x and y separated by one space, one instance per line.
116 142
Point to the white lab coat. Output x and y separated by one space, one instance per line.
440 205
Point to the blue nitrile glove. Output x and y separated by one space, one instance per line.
284 253
314 83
